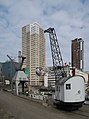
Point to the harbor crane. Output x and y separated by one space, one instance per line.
19 77
69 90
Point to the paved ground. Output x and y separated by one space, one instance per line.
13 107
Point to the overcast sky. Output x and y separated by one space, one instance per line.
70 18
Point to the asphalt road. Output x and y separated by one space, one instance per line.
13 107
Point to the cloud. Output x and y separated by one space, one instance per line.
70 20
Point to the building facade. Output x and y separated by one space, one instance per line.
34 49
77 53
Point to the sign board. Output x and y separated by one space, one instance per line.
27 71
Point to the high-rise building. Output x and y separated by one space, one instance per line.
77 53
34 49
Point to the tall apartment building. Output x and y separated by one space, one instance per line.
34 49
77 53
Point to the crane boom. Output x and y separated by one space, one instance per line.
13 62
19 67
56 54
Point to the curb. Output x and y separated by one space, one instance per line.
29 98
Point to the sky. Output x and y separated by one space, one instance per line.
70 18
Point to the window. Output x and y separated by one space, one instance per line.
68 86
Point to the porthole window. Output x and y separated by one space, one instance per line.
68 86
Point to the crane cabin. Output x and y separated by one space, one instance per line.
70 92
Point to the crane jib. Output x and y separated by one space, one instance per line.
56 54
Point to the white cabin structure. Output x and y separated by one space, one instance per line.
70 90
